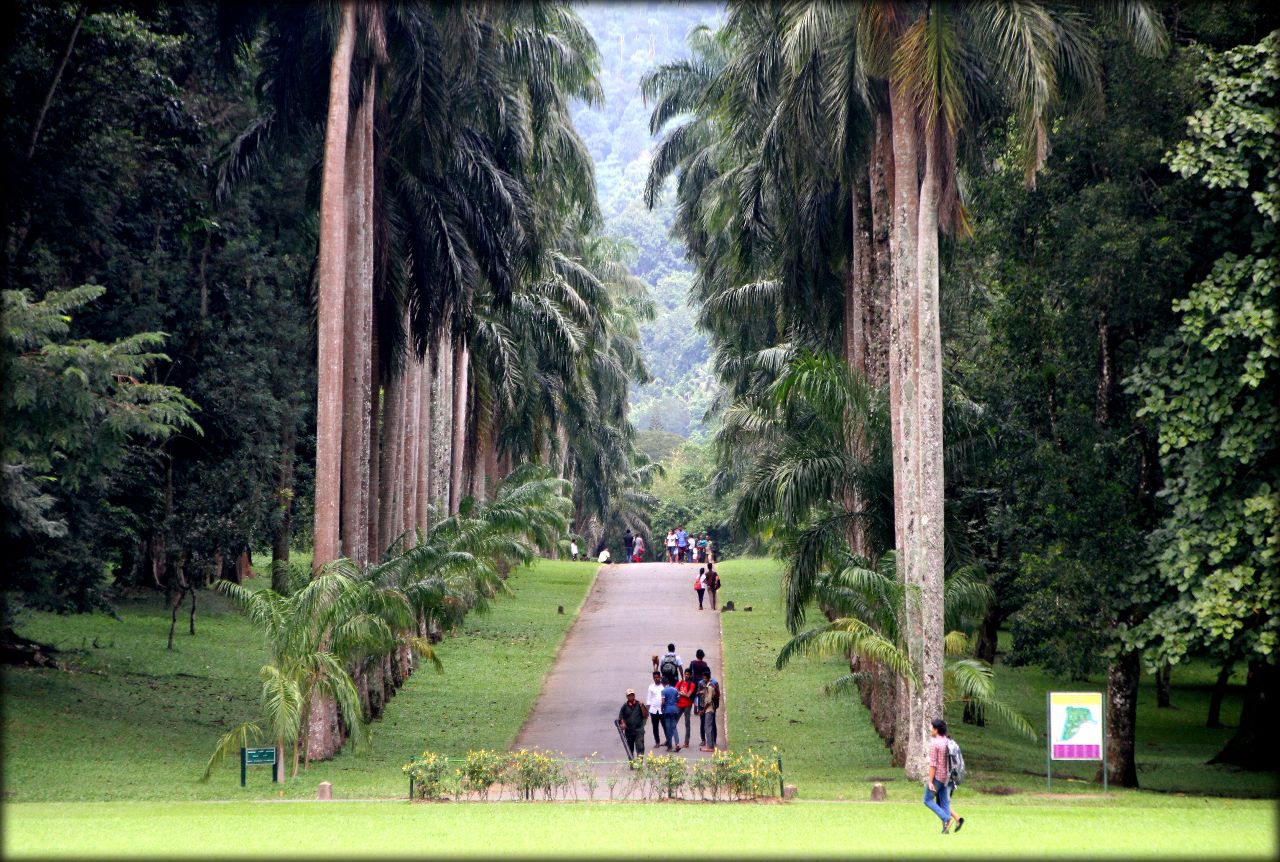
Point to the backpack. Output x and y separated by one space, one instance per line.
955 760
711 696
668 668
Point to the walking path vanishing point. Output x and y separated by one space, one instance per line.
632 612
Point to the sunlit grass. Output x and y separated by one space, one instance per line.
830 751
1192 829
133 720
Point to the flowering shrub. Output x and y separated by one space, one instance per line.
430 774
481 770
531 772
723 776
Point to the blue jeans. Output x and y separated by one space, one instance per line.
942 806
669 726
709 728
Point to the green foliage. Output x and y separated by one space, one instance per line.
75 409
432 777
1212 388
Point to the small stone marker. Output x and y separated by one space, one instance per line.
324 791
789 792
877 792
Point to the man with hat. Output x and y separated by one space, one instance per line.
631 719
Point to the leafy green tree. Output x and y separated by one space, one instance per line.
74 410
1212 392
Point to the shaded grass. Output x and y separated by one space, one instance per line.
1193 829
830 751
133 720
827 744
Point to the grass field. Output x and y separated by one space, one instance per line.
1193 829
133 720
88 754
829 750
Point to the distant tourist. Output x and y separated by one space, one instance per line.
670 665
682 544
638 549
703 541
631 719
700 584
713 581
628 546
604 556
937 796
699 665
671 546
573 549
686 690
653 700
670 713
711 700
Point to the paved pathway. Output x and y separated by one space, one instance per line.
632 612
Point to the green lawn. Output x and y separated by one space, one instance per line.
1192 829
132 723
829 750
136 721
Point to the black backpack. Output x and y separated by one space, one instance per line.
669 668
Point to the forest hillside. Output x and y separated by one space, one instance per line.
635 38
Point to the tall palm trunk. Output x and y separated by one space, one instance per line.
392 451
375 449
442 427
332 282
461 361
422 484
904 418
927 554
409 471
358 323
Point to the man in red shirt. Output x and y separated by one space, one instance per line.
685 690
937 797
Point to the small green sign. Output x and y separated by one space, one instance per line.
260 756
257 757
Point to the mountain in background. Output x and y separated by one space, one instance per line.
634 38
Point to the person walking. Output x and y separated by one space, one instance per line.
573 549
671 666
682 544
686 690
700 584
670 713
702 548
711 701
713 582
671 546
653 703
937 797
699 665
628 546
639 549
631 719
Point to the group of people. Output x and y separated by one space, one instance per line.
676 692
683 548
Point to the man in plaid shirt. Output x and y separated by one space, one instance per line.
937 796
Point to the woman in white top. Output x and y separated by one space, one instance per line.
637 550
671 546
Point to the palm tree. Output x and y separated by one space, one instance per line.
310 636
871 605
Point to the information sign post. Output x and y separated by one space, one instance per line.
1077 730
258 757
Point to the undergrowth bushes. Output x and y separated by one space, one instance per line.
529 775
